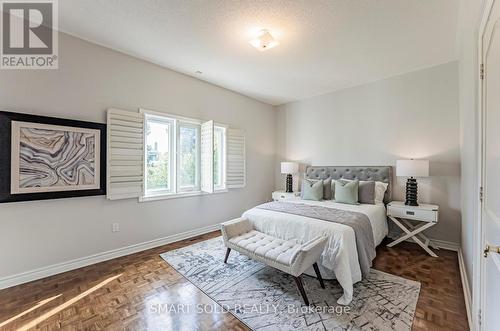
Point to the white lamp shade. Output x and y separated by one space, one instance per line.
412 168
289 167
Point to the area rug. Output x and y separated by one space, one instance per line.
267 299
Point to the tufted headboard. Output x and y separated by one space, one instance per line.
380 174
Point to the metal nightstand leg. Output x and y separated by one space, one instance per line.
413 235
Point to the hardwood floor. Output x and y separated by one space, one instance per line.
125 293
441 304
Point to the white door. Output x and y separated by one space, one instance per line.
490 314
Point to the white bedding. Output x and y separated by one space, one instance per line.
340 257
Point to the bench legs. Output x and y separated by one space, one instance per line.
300 285
298 280
227 254
318 274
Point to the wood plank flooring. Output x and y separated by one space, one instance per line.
131 301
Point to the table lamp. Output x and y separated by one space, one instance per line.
411 169
289 168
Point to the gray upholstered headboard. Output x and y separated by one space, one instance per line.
380 174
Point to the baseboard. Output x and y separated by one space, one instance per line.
54 269
443 244
466 287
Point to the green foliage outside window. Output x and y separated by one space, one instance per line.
157 177
188 156
157 163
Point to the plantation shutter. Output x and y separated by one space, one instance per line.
207 156
235 158
125 137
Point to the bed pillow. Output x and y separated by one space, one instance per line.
327 189
312 190
366 191
346 192
380 189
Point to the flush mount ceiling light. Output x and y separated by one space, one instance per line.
264 41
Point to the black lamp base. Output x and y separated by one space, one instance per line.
289 181
411 192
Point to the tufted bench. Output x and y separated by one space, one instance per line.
288 256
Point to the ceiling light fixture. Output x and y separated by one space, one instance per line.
264 41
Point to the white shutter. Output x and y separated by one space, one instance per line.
235 159
207 156
125 154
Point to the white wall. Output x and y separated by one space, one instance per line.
90 79
410 116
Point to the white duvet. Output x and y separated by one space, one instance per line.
340 257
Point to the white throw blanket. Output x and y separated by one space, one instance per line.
340 258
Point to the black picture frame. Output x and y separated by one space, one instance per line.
6 119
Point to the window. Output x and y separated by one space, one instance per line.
189 157
173 155
159 155
153 155
219 157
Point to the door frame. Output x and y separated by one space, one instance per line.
478 260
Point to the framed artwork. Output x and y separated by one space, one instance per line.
49 158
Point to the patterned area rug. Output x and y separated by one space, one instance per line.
267 299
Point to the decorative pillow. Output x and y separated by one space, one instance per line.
327 187
346 192
366 191
312 190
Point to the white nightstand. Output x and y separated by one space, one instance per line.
426 214
282 195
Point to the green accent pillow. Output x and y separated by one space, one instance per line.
312 190
346 192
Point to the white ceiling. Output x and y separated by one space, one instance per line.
325 45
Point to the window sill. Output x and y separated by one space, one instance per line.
168 196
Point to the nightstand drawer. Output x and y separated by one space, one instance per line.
280 195
413 214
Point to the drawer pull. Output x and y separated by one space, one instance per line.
410 212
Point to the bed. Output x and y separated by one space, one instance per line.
340 257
